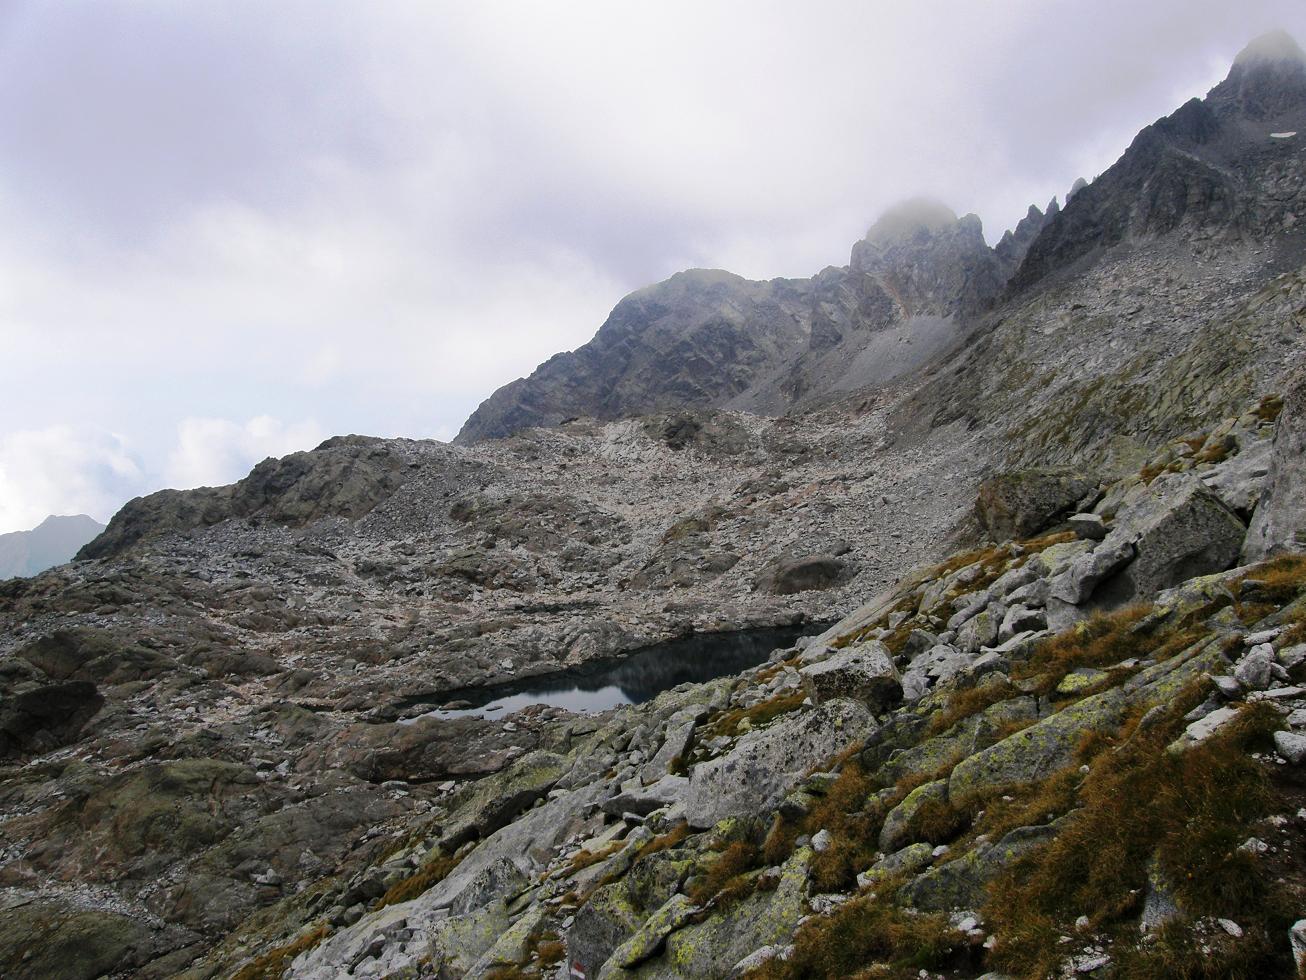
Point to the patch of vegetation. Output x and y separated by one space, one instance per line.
967 703
1178 953
1100 641
664 842
724 878
759 714
1276 582
427 876
1269 408
861 934
1191 811
585 858
272 964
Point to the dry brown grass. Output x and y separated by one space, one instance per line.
426 877
1269 408
965 704
272 964
664 842
585 858
725 872
860 934
1100 641
1192 811
759 714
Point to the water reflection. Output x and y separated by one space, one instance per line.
635 678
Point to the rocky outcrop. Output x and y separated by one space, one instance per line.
345 477
1279 521
1020 504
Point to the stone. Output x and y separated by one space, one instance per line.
1021 619
645 799
962 883
821 841
766 764
1159 903
786 576
899 826
863 672
910 860
981 629
765 918
1297 942
1203 728
1293 656
648 939
1277 523
1087 527
1179 530
1292 746
1254 671
1019 504
1076 584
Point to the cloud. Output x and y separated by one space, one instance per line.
62 470
215 452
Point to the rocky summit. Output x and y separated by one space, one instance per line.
941 615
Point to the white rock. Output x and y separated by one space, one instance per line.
1291 746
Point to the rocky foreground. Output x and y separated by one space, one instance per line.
1075 752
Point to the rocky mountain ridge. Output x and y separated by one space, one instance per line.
1216 180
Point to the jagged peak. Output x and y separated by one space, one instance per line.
909 218
1271 48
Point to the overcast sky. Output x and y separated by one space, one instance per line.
229 230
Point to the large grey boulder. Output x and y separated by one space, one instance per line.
1279 521
766 764
1179 529
1077 582
785 576
1022 503
864 672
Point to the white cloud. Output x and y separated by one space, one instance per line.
63 470
215 452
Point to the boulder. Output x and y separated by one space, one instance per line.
38 718
1179 530
1255 671
766 764
1279 520
1076 584
644 800
900 826
785 576
962 883
864 672
708 950
1018 505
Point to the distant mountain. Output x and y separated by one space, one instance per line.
52 542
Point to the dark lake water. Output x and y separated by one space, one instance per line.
634 678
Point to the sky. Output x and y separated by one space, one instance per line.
231 229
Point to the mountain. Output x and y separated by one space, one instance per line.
1215 179
52 542
710 339
1023 523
